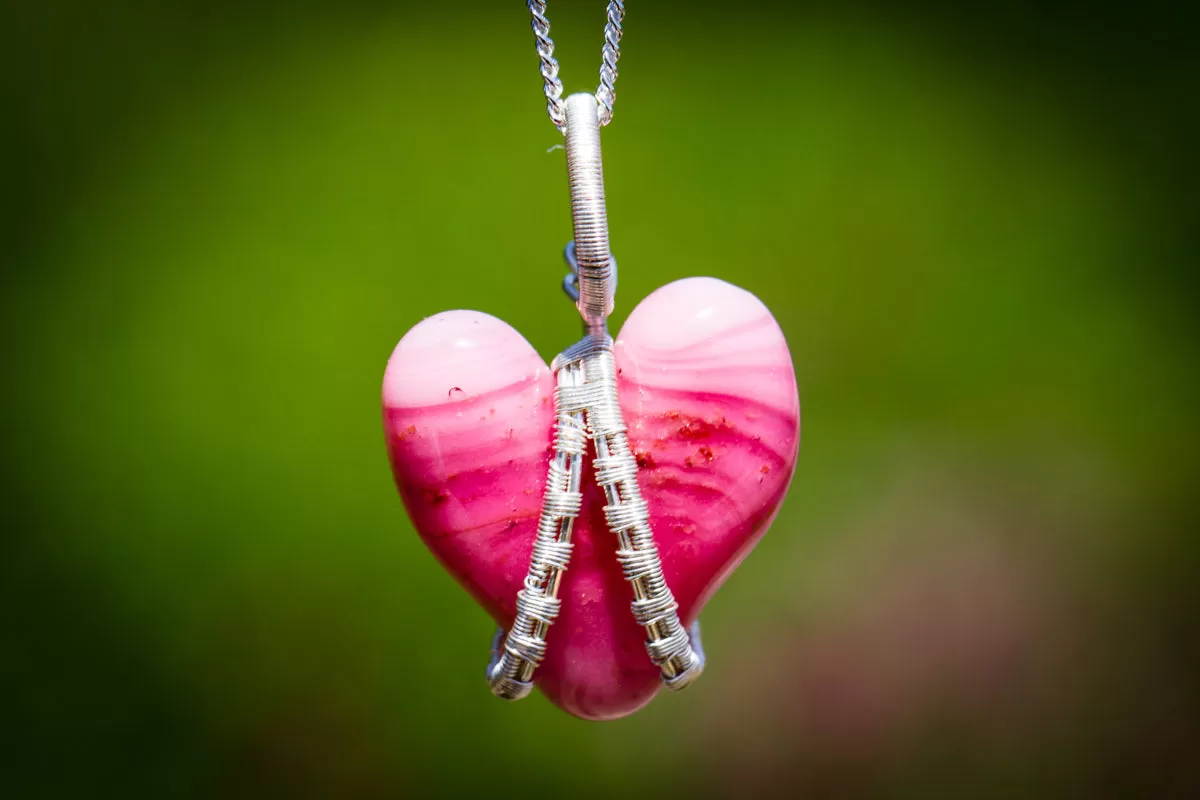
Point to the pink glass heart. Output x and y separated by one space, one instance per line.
709 395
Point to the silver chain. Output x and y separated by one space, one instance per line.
606 94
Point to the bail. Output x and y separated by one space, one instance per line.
585 173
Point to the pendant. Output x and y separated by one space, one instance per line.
593 506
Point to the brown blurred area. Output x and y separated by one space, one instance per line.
982 646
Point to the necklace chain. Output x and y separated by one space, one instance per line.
606 93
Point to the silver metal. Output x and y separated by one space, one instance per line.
510 673
586 406
697 645
571 280
552 86
628 518
586 403
606 93
585 174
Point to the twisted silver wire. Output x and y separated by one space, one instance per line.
586 406
606 93
615 467
549 65
628 518
514 659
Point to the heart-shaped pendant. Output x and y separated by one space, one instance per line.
708 394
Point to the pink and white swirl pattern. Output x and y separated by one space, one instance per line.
709 394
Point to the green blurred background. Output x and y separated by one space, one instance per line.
971 223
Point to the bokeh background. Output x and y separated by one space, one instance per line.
971 221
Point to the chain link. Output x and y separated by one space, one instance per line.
606 93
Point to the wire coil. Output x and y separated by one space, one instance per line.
510 672
586 407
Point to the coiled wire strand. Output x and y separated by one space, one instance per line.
510 672
606 93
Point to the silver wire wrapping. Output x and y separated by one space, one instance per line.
628 517
585 173
587 405
510 673
570 282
